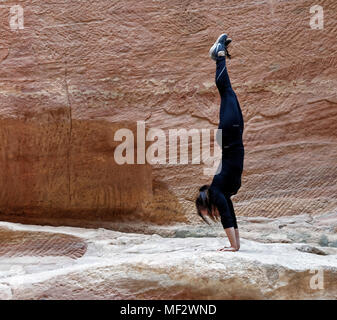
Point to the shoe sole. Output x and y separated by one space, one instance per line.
214 46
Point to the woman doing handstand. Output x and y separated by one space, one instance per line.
214 200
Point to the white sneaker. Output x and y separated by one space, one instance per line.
219 46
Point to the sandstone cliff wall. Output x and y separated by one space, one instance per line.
80 69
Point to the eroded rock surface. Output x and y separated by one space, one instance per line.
39 244
136 266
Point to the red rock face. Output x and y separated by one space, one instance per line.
80 70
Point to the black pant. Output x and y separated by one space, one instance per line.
228 181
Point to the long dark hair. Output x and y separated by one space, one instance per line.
204 202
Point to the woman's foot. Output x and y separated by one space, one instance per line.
219 48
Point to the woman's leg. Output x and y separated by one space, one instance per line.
221 75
